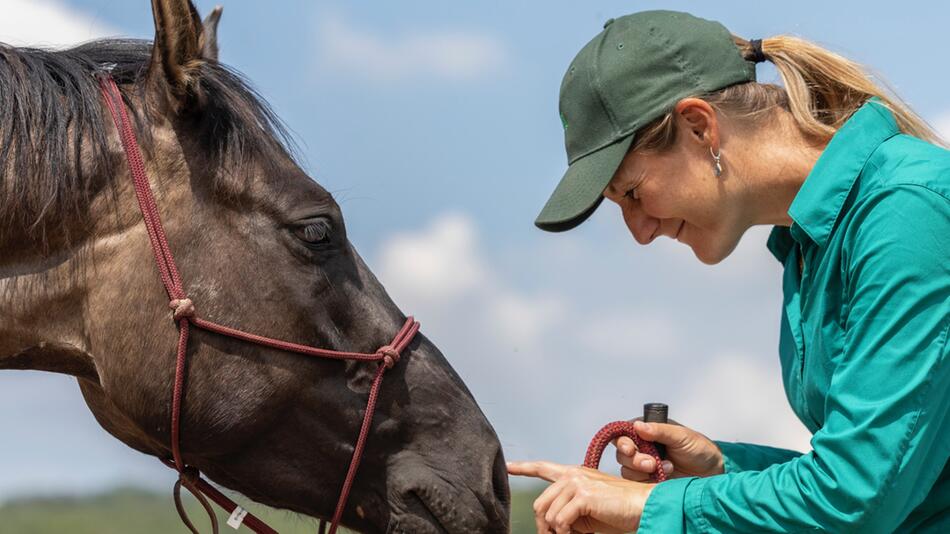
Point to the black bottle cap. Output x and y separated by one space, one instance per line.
655 412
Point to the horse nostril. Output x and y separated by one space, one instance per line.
500 481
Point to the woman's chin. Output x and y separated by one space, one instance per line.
709 247
707 256
707 260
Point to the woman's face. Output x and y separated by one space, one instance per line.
675 193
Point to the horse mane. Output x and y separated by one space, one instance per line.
53 132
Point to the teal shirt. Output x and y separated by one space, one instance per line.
863 348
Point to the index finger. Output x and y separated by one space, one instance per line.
625 445
549 471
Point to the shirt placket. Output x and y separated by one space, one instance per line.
794 283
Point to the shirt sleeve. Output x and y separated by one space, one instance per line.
738 457
886 434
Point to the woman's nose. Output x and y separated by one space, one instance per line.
642 226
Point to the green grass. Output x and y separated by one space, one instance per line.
127 510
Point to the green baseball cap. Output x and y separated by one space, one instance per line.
630 74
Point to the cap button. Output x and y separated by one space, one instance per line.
608 23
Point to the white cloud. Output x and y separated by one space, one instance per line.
437 264
736 397
523 320
47 23
441 274
621 335
448 54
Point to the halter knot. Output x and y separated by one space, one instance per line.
183 308
189 475
390 355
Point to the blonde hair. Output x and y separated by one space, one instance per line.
821 91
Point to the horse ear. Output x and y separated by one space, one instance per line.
176 53
209 34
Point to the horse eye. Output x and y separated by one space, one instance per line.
314 233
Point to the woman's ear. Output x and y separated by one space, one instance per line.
697 120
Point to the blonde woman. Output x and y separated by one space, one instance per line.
662 116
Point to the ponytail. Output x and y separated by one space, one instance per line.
821 91
824 89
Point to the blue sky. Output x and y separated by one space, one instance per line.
435 125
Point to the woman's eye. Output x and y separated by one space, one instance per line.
633 194
314 233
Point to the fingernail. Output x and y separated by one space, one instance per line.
648 427
667 467
646 464
627 449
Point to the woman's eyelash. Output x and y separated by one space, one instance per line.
632 193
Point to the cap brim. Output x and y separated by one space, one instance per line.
581 190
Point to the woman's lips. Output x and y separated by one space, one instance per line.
674 236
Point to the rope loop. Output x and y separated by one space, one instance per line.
183 308
188 478
614 430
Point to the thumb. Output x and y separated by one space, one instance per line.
671 435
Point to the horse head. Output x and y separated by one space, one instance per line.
261 247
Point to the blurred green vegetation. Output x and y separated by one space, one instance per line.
130 510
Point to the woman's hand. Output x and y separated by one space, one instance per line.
583 500
688 453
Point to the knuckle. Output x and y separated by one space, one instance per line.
682 440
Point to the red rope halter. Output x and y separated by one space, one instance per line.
184 314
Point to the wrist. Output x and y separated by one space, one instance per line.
720 467
638 505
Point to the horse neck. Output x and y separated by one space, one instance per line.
44 280
41 313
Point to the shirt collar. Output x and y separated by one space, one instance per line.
816 207
780 243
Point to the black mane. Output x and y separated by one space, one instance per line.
51 110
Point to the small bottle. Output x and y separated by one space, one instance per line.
656 412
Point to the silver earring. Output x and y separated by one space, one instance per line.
718 166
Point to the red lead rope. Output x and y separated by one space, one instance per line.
184 314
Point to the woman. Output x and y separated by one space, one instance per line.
663 116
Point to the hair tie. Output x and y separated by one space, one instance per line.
757 55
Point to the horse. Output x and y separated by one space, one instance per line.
261 247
